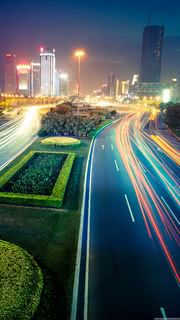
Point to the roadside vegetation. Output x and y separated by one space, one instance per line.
21 283
51 234
171 114
172 118
62 121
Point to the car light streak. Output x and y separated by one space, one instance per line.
167 148
170 210
24 126
141 141
156 215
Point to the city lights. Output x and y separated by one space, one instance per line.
166 95
79 53
90 160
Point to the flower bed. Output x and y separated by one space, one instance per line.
21 283
61 141
38 176
39 179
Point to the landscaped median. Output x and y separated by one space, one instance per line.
38 179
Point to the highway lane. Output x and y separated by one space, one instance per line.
133 260
17 133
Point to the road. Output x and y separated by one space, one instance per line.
17 133
129 262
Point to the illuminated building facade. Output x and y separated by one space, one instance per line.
24 77
10 81
125 88
35 79
48 73
151 54
64 84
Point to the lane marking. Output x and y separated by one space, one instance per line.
170 210
163 313
129 207
112 147
88 240
79 250
102 146
117 168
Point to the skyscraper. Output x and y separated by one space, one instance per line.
125 87
64 84
24 76
57 83
47 61
35 79
151 54
10 85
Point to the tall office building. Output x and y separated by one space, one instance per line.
35 79
151 54
24 79
64 84
124 88
10 83
57 83
135 79
48 74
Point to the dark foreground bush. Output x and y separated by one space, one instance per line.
21 283
173 116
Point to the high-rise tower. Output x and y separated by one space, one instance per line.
10 83
151 54
47 62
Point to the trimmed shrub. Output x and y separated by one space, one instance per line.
21 283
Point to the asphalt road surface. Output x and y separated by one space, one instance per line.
130 257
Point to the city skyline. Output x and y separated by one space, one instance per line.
114 47
89 159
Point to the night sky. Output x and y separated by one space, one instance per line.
110 30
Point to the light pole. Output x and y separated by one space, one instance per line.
79 54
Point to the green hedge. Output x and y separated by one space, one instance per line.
54 200
21 283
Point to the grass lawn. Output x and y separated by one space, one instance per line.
50 235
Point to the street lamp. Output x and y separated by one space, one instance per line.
79 54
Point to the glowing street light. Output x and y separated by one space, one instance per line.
80 53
